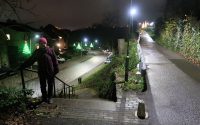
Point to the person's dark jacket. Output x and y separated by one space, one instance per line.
46 59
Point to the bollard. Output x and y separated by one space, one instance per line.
141 110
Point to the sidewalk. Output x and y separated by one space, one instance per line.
173 95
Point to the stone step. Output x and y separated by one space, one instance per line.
80 121
90 109
83 103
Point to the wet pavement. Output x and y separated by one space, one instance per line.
91 111
173 95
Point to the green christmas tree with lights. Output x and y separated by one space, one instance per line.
79 46
91 45
26 50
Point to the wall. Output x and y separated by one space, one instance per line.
121 46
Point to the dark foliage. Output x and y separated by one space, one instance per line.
13 100
159 25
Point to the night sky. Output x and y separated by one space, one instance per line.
75 14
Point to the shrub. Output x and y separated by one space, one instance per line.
182 36
135 83
168 35
133 56
12 99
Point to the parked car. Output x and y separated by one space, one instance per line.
60 59
107 61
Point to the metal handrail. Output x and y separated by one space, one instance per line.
70 89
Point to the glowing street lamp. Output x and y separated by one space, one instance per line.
37 36
151 24
132 12
8 36
58 45
85 39
96 41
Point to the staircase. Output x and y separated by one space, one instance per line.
90 111
87 109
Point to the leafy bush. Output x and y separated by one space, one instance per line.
133 56
119 62
135 83
182 36
168 35
119 65
12 99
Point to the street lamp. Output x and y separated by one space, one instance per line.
132 12
85 39
37 36
58 45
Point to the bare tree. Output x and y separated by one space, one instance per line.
11 8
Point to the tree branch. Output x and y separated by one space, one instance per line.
13 9
18 5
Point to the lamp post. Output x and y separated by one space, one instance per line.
132 12
85 40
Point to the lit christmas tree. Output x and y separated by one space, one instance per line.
26 50
91 45
79 46
74 44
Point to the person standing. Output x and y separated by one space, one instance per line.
47 68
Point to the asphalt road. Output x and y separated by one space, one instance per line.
72 71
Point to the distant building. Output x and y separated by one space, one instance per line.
17 42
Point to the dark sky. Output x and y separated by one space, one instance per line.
74 14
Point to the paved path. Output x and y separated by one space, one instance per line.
173 96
